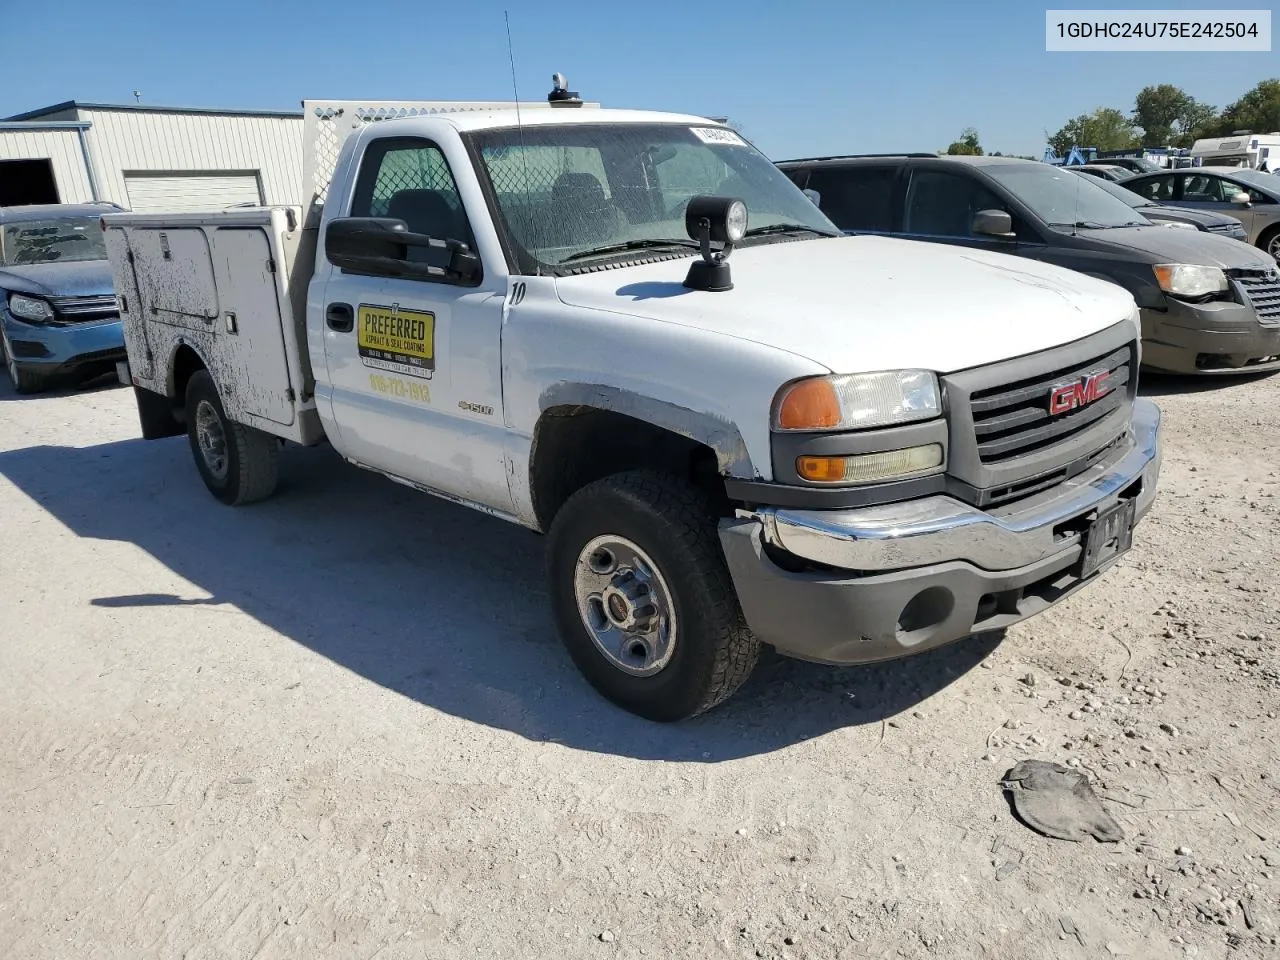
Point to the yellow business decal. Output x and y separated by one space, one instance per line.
401 389
402 341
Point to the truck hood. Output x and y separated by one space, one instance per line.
79 278
1162 245
861 303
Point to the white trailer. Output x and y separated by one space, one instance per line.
1255 151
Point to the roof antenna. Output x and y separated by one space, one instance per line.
1075 217
524 154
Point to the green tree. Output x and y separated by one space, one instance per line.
1258 110
1169 115
967 145
1157 111
1199 120
1106 128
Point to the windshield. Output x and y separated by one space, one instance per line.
1123 195
1062 198
573 193
44 241
1145 165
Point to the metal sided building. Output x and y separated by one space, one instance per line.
149 158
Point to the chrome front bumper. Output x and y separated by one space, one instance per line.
937 529
907 577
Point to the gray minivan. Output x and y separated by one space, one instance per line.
1209 304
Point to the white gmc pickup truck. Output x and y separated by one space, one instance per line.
629 331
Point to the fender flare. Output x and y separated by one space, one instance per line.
170 367
713 431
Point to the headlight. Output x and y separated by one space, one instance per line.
30 308
1179 225
1190 280
857 401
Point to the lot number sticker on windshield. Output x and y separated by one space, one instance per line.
718 135
402 341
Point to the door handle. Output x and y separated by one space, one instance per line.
340 317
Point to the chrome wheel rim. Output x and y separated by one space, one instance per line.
211 438
1273 247
625 605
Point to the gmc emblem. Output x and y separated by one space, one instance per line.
1078 393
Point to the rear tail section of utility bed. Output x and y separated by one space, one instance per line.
225 291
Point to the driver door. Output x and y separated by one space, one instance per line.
414 363
1206 191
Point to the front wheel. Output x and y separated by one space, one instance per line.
1270 242
24 379
643 598
237 463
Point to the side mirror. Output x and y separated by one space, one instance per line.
384 247
1242 198
814 196
993 223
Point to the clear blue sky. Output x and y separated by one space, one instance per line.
826 76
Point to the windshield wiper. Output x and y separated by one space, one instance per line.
1084 225
774 228
645 244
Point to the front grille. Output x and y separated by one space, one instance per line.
1013 420
1263 291
84 309
1231 229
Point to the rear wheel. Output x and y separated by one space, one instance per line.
238 464
24 379
643 598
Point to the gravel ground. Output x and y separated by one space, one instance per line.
338 724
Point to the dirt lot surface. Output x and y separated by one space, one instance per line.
339 724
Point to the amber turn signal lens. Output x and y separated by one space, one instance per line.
870 467
810 405
821 469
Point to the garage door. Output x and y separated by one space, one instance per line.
171 193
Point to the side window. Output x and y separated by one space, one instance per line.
799 176
1203 188
410 180
856 198
1155 188
942 204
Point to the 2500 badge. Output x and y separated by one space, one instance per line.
402 341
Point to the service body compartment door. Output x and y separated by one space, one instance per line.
249 334
132 317
174 272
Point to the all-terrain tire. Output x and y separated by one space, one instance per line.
252 457
672 521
